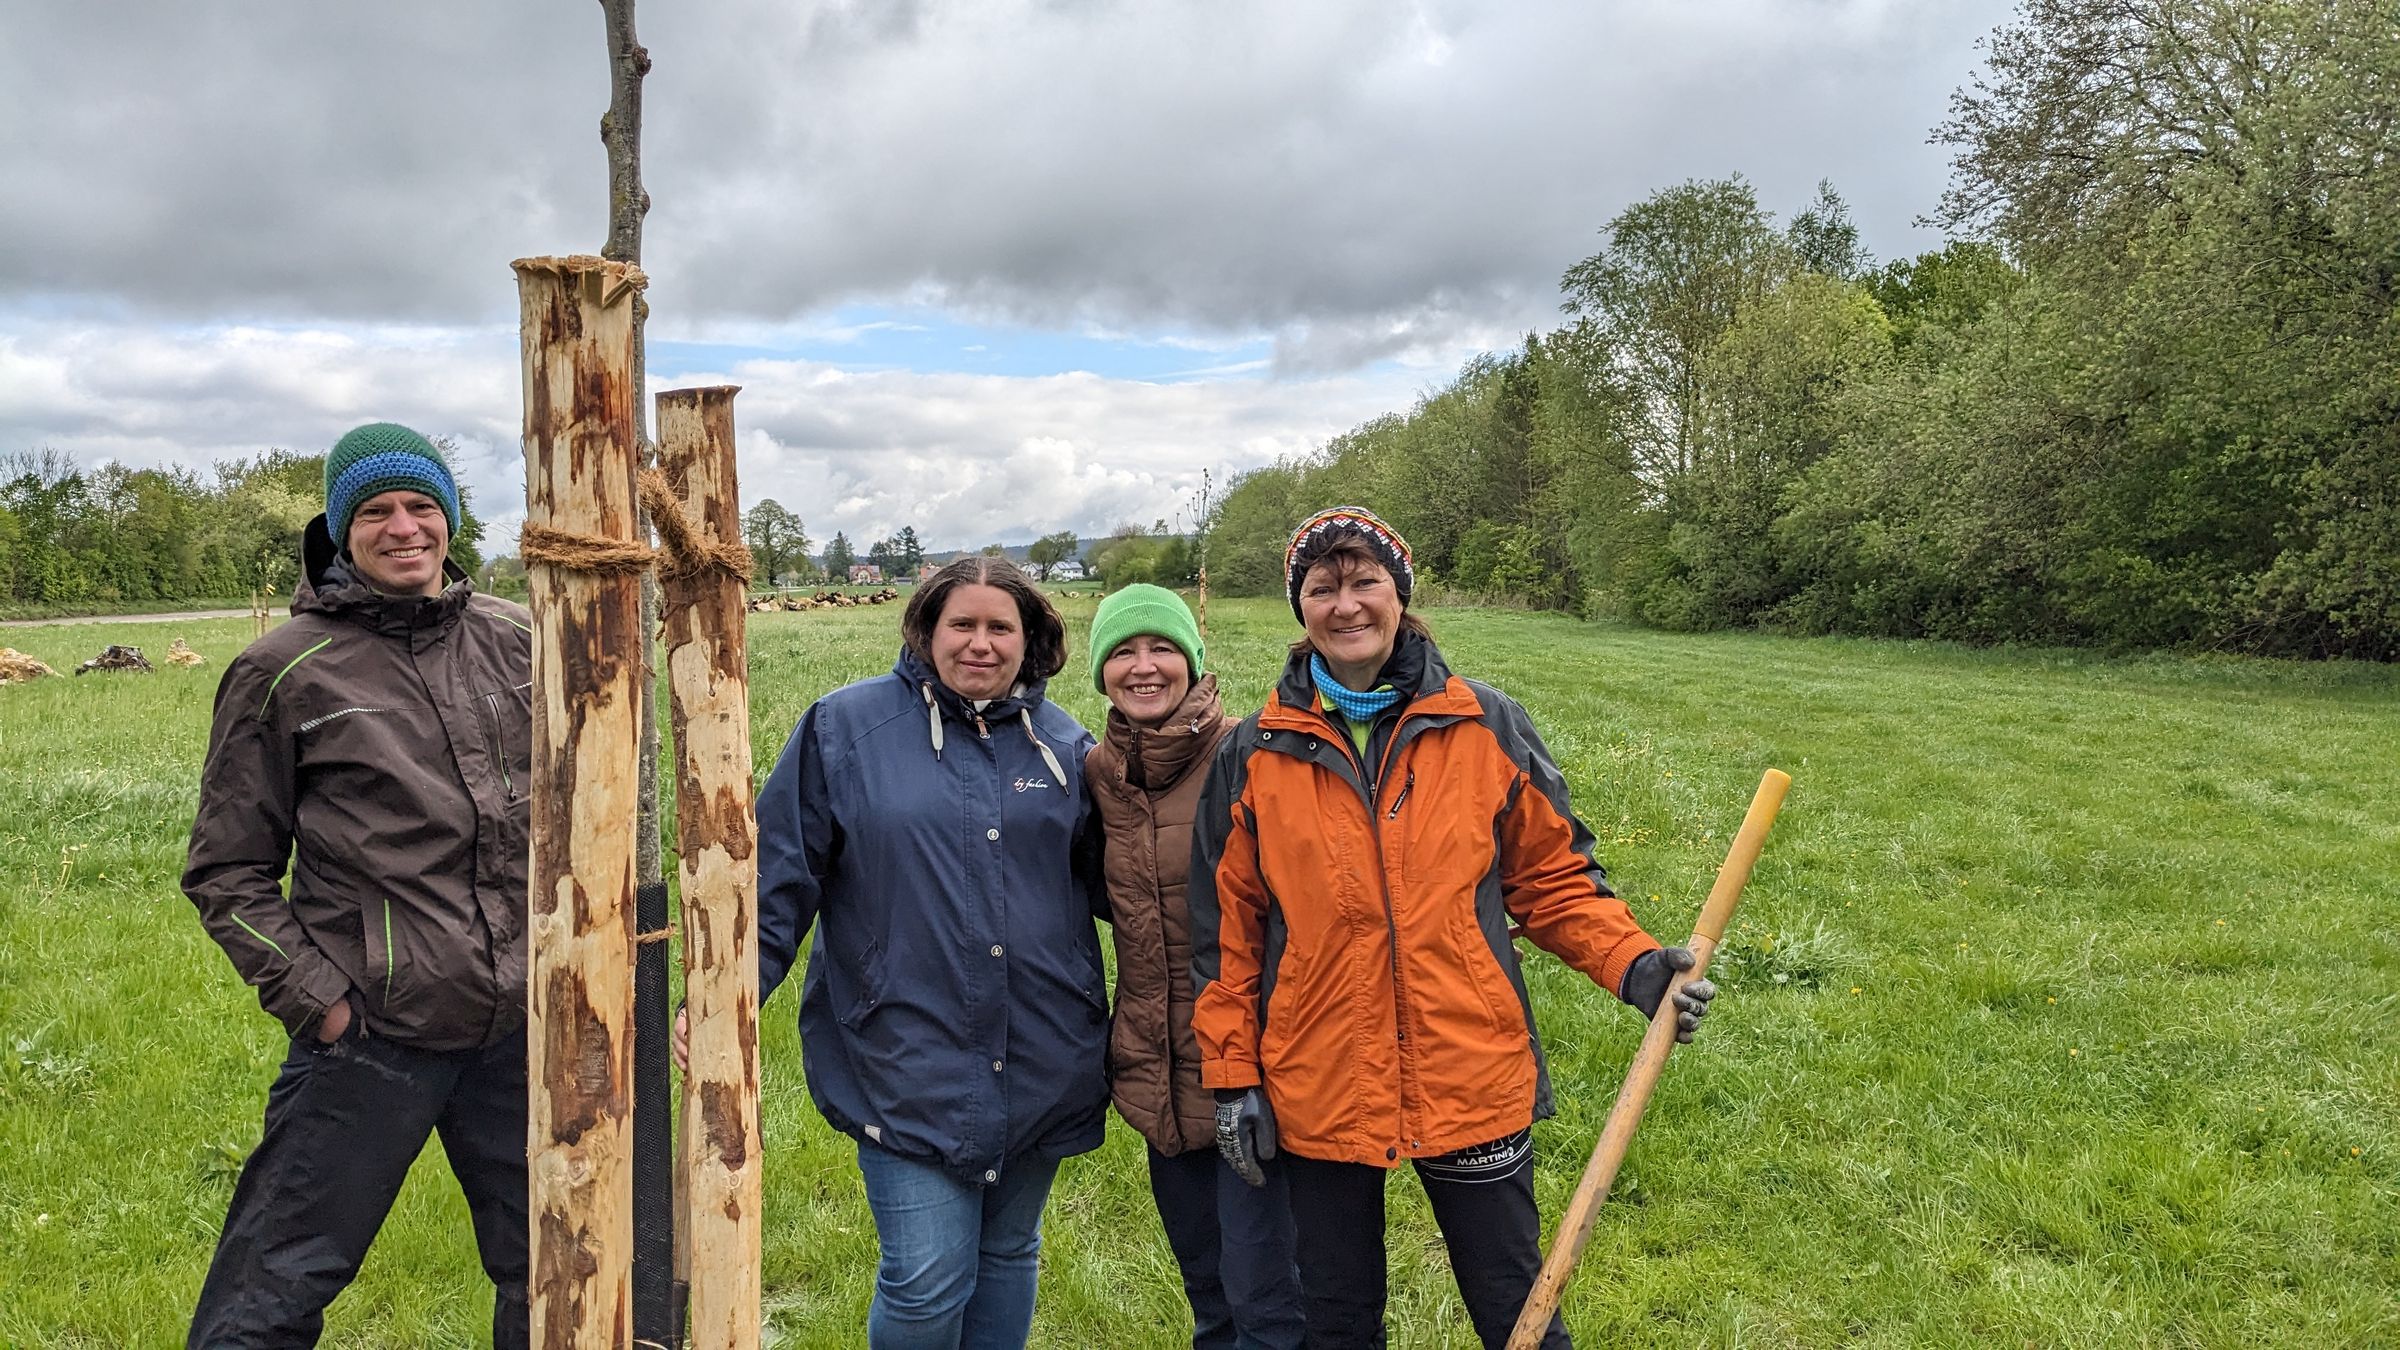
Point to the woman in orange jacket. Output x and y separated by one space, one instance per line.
1364 846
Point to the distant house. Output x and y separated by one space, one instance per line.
862 574
1070 570
925 571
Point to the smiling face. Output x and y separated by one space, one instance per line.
978 643
397 542
1146 678
1351 611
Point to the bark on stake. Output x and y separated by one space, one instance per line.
580 437
1648 1063
708 676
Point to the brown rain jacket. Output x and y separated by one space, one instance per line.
1146 785
1350 916
381 746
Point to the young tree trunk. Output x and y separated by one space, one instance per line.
708 676
657 1309
577 338
628 206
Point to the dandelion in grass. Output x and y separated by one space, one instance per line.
2073 1053
1856 990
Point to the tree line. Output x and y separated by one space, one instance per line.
2149 395
112 535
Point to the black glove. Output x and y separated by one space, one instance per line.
1246 1132
1645 984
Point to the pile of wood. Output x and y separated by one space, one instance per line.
178 654
821 600
16 667
114 657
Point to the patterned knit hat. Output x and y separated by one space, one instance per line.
381 457
1335 524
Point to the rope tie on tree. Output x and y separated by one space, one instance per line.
683 551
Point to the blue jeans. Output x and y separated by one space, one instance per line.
959 1257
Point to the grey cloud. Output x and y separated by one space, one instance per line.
1327 172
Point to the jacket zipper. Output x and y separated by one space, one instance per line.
1166 967
491 742
1383 878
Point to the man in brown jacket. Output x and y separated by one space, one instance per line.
379 743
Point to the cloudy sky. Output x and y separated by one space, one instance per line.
987 267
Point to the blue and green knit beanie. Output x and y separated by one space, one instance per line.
382 457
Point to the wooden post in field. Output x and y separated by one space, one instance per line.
580 442
704 616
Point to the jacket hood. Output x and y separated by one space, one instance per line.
329 585
1415 668
1157 758
920 675
943 704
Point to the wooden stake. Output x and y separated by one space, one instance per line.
708 676
580 438
1616 1136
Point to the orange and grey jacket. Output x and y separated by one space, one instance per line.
1350 915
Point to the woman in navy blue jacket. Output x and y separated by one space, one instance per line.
932 824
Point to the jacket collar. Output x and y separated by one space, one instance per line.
1157 758
1415 668
329 585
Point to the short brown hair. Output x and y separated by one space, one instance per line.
1045 632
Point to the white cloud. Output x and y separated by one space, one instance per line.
966 459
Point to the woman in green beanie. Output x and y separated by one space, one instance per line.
1233 1241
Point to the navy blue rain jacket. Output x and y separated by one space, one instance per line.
955 1011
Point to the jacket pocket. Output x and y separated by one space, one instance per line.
1439 842
867 980
383 963
506 716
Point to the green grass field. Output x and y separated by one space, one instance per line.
2061 1011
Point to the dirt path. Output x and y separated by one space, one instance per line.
132 618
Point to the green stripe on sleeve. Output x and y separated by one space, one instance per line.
270 698
260 936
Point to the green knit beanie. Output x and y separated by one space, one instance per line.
380 457
1138 609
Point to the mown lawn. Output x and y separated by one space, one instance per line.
2061 1010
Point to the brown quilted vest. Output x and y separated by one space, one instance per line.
1146 784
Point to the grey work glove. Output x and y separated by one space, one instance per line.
1646 983
1246 1132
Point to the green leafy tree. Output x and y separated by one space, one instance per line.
838 558
1825 240
1679 267
1050 550
776 538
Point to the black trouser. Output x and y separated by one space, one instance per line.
1482 1201
1234 1244
344 1123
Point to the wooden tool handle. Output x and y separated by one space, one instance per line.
1616 1136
